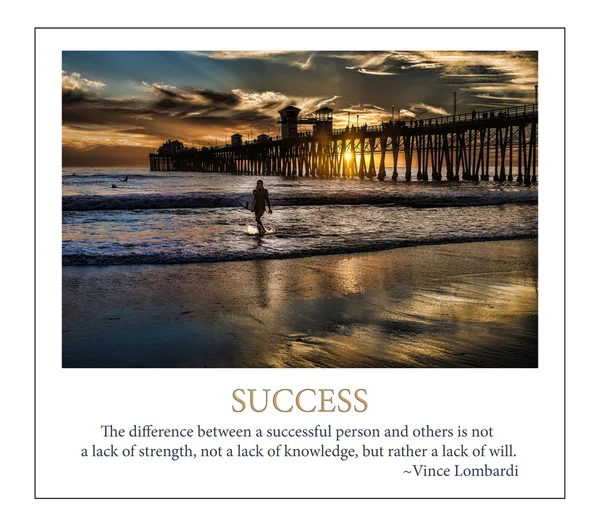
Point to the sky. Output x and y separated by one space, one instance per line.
119 106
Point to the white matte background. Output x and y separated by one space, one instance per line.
17 434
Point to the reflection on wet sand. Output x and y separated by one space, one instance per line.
452 305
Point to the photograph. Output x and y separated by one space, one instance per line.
299 209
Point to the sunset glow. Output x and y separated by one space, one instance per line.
119 106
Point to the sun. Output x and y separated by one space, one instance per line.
348 156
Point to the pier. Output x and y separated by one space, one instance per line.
455 147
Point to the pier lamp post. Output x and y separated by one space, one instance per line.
454 114
356 120
392 112
536 94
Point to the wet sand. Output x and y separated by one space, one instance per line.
456 305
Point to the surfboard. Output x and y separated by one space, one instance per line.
247 202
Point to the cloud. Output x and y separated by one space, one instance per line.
406 113
74 81
304 65
75 88
238 55
176 100
369 63
511 91
269 102
369 114
94 84
261 100
508 68
190 114
292 58
168 91
328 101
425 109
361 59
413 60
417 110
487 96
503 88
512 73
372 72
215 97
372 114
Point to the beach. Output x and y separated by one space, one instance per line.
470 304
167 270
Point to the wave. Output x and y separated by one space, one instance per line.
215 200
189 258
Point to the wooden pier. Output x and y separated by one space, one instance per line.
454 147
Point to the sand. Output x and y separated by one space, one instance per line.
456 305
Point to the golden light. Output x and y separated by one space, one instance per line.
348 156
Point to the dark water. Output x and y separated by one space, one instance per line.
173 217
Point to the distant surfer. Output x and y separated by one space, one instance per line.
125 179
114 187
261 201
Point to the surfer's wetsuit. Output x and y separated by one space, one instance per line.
261 197
261 200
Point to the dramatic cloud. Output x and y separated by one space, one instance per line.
369 72
301 60
179 101
426 109
194 115
72 81
168 91
269 102
75 88
513 72
406 114
368 63
304 65
487 96
202 98
227 99
369 114
239 55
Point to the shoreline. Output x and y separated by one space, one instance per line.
300 255
469 304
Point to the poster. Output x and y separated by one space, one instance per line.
388 324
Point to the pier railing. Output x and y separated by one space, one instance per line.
500 115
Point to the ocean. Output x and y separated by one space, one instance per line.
188 217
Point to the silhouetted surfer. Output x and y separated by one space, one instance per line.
114 187
125 179
261 201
